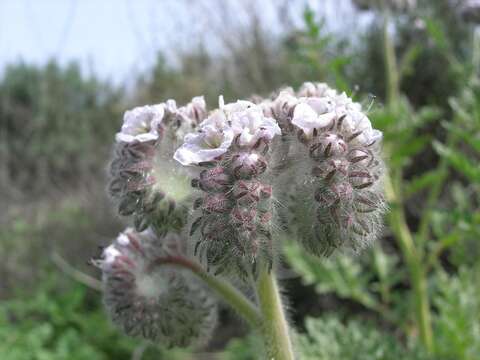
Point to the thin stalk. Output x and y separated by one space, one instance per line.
476 49
414 264
391 69
411 254
227 292
275 326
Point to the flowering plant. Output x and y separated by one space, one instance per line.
211 211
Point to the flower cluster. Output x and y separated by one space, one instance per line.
143 179
231 150
337 199
303 162
157 303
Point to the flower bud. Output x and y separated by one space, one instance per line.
246 165
157 303
215 179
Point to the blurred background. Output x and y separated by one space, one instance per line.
70 68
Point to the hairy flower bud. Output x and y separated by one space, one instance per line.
139 181
158 303
338 203
233 226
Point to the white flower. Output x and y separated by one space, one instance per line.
307 119
321 105
368 135
189 116
310 89
235 107
141 124
248 121
195 111
109 255
213 139
170 106
285 101
267 107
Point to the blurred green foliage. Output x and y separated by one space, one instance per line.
328 338
39 104
64 321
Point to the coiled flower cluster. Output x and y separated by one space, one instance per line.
142 154
304 163
231 150
337 199
158 303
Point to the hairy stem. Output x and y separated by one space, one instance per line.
275 326
414 264
224 289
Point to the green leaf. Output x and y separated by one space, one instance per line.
457 325
420 182
459 161
341 275
328 338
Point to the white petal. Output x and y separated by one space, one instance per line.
110 254
320 105
139 122
195 148
307 119
304 116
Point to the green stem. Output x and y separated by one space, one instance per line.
228 292
391 70
275 326
476 49
414 264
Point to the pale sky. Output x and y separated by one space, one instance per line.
115 38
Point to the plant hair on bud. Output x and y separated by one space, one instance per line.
157 303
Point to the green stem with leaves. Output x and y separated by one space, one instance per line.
275 325
413 257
